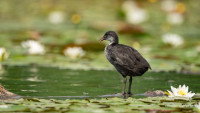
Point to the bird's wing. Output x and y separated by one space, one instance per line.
128 57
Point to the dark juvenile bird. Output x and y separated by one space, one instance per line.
127 60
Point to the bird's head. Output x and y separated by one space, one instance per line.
110 36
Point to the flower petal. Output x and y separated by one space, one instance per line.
191 95
179 87
186 89
170 94
174 90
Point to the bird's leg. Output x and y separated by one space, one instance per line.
129 88
124 86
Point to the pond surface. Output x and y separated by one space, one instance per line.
50 82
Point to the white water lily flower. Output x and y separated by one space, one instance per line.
168 5
56 17
173 39
175 18
198 49
34 47
3 54
134 14
74 52
181 91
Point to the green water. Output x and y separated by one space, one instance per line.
49 82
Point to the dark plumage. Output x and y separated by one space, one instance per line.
127 60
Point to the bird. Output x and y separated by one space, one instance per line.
127 60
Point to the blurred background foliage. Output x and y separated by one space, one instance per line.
166 32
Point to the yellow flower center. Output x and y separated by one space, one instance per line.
182 92
76 18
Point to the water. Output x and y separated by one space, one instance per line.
49 82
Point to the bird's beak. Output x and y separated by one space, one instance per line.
102 39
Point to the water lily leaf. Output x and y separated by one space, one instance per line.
159 111
15 108
33 99
150 104
175 99
196 97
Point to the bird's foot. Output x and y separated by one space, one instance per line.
124 95
129 94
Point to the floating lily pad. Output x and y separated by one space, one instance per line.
149 104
